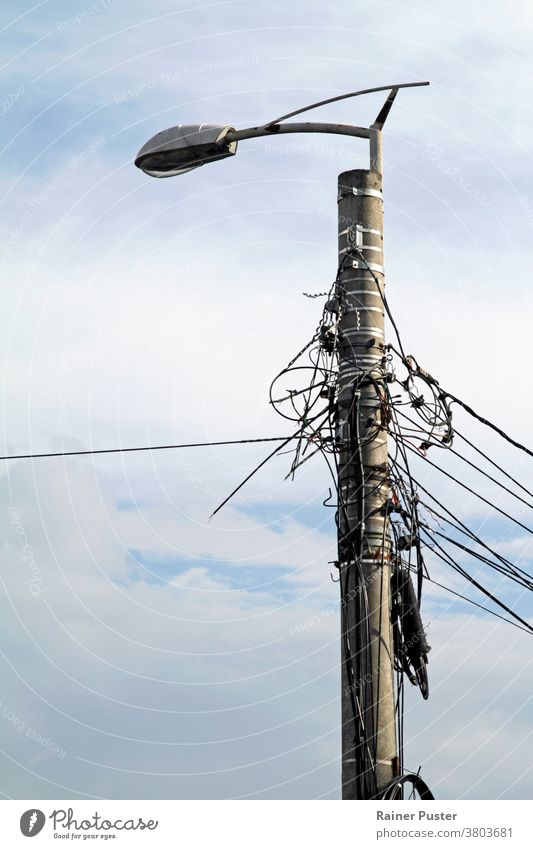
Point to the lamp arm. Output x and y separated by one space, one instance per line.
344 97
298 127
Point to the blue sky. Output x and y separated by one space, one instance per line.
137 311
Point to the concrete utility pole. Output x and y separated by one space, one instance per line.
369 752
368 737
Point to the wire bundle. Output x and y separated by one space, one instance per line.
416 413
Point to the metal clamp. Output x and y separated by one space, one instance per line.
371 193
360 229
363 308
369 266
363 247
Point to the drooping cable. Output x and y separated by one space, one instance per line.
252 473
470 490
478 605
488 423
447 558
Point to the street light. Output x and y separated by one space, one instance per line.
187 146
371 759
182 148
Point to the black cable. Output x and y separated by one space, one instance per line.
252 473
486 457
477 468
476 604
411 503
297 465
146 448
351 553
447 558
528 585
511 569
484 421
465 529
469 489
443 395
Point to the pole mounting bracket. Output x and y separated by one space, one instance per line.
371 193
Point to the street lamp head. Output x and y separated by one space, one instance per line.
184 147
187 146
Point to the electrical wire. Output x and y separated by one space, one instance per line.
477 468
447 558
145 448
252 473
486 422
490 460
460 526
470 490
480 606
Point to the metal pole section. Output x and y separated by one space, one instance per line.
368 715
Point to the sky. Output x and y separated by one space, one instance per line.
147 652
